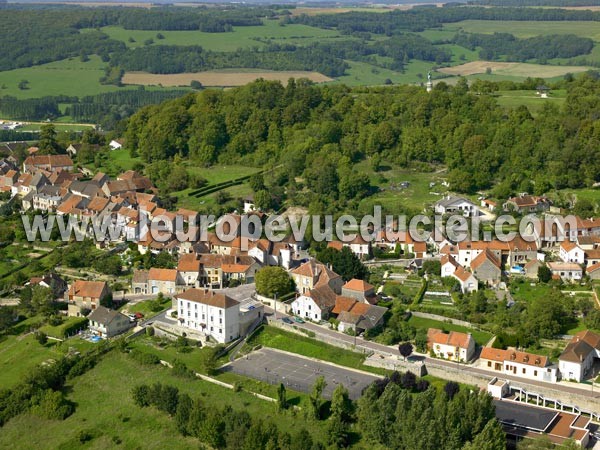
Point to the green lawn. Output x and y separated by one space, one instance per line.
481 337
529 290
106 410
19 354
241 37
67 77
513 99
361 73
147 307
284 340
58 330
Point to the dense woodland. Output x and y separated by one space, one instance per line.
319 133
541 48
106 109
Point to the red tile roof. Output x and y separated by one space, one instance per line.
454 338
358 285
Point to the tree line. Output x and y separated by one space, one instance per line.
507 47
419 19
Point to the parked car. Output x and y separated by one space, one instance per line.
298 319
287 320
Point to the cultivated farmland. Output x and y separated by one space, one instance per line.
218 78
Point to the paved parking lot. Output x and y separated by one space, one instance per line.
298 373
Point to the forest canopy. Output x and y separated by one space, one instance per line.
319 133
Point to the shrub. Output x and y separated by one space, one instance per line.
148 359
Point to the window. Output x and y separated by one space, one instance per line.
211 328
202 316
220 312
535 373
195 315
220 320
489 364
524 371
309 307
220 331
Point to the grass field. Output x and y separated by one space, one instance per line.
106 411
19 354
525 29
513 99
222 78
67 77
481 337
214 175
512 69
395 198
241 37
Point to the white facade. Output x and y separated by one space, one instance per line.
306 307
453 353
575 371
572 255
548 374
448 269
222 325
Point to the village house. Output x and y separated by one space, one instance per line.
315 304
242 269
115 144
166 281
526 204
189 267
49 163
531 268
577 359
454 346
313 274
570 252
486 267
216 316
566 271
360 290
488 204
139 282
593 271
521 364
448 265
356 315
451 204
47 198
85 296
592 257
468 282
50 281
108 323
